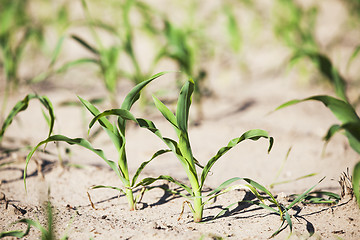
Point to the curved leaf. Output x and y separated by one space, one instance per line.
22 106
223 185
166 113
342 110
143 165
108 187
134 94
110 129
149 180
125 114
326 67
78 141
254 135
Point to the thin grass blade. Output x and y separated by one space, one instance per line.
57 50
85 44
303 195
108 187
262 188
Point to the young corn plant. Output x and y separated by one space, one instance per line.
183 152
342 110
271 203
116 133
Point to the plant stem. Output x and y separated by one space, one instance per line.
130 197
198 207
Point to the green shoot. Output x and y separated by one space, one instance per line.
279 208
116 133
342 110
182 150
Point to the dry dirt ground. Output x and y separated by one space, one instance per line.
239 102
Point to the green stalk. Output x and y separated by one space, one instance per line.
130 197
198 205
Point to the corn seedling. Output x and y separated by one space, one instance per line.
340 107
182 150
271 203
116 133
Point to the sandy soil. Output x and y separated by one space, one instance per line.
240 101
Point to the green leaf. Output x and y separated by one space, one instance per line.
356 182
254 135
166 113
352 132
143 165
134 94
15 233
57 50
341 109
149 180
22 106
353 56
125 114
303 195
85 44
78 141
223 185
262 188
183 106
326 67
331 131
288 220
110 129
74 63
108 187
